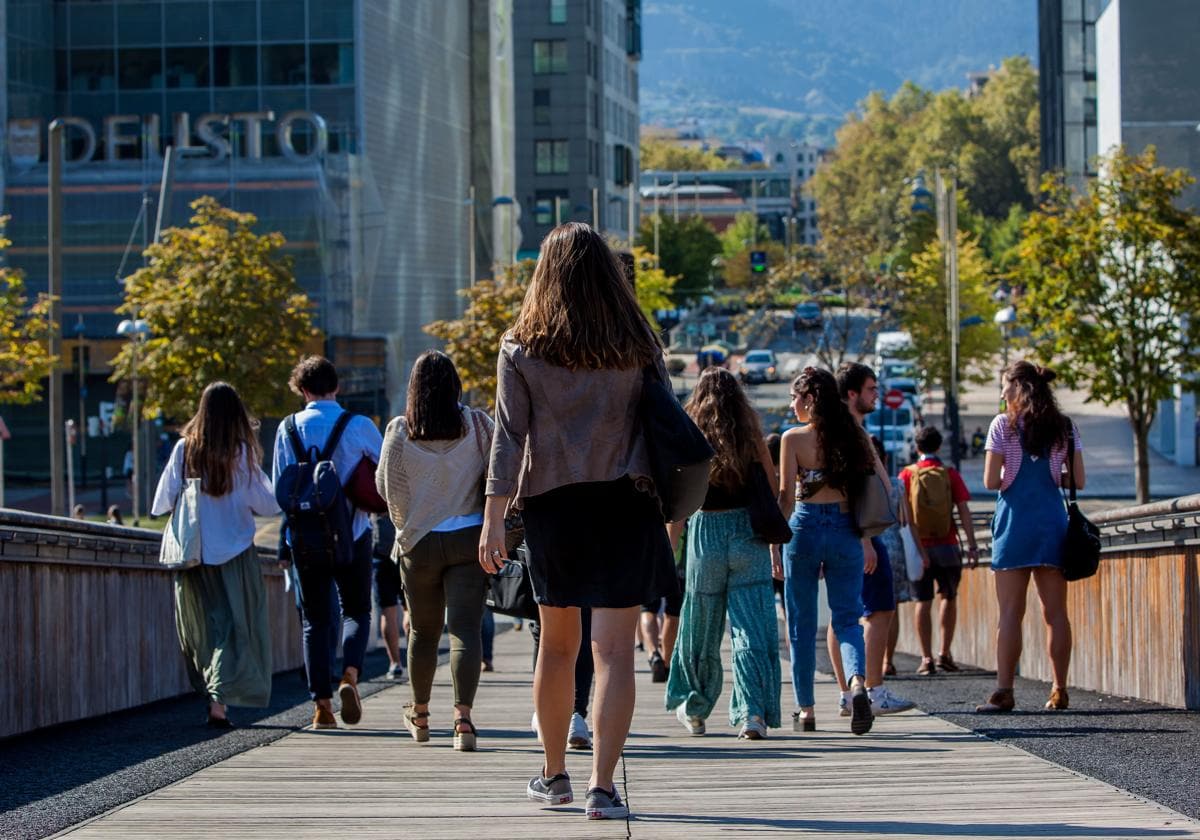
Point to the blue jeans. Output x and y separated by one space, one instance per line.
317 588
488 634
822 538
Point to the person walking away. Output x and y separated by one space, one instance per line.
828 455
934 491
389 594
221 611
774 441
660 629
114 514
1026 454
322 584
569 451
728 570
433 461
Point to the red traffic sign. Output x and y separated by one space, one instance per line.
893 398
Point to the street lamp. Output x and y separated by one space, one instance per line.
1005 318
136 331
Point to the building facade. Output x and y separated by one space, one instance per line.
360 129
1067 87
576 78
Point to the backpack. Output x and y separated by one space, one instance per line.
317 515
932 507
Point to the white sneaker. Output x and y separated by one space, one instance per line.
844 705
395 672
694 725
753 729
883 702
579 738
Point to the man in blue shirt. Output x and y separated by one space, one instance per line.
315 379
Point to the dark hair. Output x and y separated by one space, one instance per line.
220 432
314 374
1033 412
114 515
879 450
774 442
852 376
434 390
729 423
580 310
843 443
929 440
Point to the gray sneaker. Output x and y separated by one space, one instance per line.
605 805
553 791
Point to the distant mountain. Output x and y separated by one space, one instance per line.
757 68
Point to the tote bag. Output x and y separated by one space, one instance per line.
1081 547
180 548
914 567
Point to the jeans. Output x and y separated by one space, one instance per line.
822 538
488 634
320 589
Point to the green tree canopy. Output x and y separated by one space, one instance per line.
685 250
669 156
221 304
1112 288
25 328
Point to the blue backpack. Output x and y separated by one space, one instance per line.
317 517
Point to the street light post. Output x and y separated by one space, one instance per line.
1005 318
135 331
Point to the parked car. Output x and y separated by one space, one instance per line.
893 345
759 366
897 428
897 369
900 445
807 315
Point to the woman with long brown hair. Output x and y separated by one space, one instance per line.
728 570
1025 456
830 456
569 451
221 605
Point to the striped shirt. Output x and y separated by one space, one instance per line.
1006 441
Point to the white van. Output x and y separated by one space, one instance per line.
893 345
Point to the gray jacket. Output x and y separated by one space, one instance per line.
556 426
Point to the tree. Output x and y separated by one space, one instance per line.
652 283
221 304
672 157
685 251
473 340
922 311
743 234
25 358
1112 288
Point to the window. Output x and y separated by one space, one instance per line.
141 69
622 165
235 21
558 11
92 70
551 156
236 66
187 67
549 57
541 106
186 23
331 64
551 207
283 64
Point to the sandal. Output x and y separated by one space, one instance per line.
417 723
1001 700
464 741
1057 702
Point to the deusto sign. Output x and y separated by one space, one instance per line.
128 136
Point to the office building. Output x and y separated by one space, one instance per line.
576 81
1067 87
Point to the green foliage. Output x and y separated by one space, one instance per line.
685 251
654 285
221 305
1112 282
25 358
742 234
670 156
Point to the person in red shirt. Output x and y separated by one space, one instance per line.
934 491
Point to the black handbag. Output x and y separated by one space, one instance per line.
766 518
1081 547
679 455
510 590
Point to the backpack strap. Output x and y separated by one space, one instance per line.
1071 458
335 436
289 426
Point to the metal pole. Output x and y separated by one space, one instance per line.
164 191
632 213
70 466
596 208
55 202
557 210
1 472
754 208
135 426
470 235
675 200
82 414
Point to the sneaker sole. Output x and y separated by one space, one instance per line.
861 718
318 727
580 743
351 705
892 711
618 812
550 799
751 735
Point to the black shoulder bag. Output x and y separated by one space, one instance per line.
679 455
766 518
1081 547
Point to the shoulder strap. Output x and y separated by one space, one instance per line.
1071 458
335 436
289 426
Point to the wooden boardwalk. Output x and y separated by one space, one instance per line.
913 776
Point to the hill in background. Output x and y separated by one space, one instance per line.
757 68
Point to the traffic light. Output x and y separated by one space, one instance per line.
758 262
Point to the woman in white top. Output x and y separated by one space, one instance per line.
221 605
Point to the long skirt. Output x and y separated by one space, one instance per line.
728 570
221 615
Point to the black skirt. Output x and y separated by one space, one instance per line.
598 544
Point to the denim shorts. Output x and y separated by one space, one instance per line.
879 593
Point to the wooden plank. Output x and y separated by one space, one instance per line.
912 776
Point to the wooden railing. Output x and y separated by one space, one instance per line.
1135 624
88 623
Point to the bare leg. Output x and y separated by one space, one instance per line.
554 681
893 640
835 658
612 710
924 627
875 636
670 631
389 628
1011 587
947 621
1052 589
649 628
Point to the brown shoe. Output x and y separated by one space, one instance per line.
348 694
323 718
1002 700
946 662
1058 699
